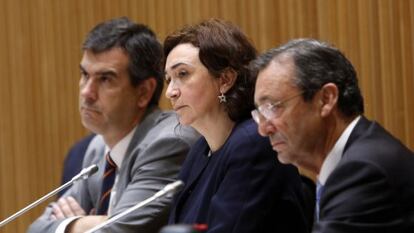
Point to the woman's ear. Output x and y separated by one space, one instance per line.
328 98
227 79
145 91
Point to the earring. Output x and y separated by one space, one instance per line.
222 98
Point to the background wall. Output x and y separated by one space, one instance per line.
40 52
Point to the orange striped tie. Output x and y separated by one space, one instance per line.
107 183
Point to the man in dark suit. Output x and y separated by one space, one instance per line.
311 108
137 148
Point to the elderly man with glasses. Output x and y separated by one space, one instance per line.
311 108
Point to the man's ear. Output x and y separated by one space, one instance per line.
145 91
328 98
227 79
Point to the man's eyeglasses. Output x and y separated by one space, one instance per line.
269 111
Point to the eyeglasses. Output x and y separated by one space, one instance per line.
269 111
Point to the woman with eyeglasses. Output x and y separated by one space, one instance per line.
233 180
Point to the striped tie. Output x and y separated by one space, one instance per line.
107 183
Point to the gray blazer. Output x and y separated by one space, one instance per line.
153 159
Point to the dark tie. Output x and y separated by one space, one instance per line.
319 189
107 183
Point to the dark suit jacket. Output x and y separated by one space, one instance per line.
372 188
240 188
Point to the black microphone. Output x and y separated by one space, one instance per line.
84 174
184 228
169 188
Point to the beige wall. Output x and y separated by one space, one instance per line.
40 51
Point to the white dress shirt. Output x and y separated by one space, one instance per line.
335 155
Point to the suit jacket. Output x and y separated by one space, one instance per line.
240 188
153 159
372 188
74 159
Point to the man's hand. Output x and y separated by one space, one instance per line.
66 207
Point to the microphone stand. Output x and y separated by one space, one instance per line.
84 174
172 187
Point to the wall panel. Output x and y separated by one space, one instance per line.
40 52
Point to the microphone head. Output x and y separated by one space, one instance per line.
86 172
93 169
174 187
89 171
170 188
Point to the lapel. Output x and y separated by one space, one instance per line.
150 120
97 150
199 164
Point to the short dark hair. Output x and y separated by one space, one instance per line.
222 46
138 42
317 63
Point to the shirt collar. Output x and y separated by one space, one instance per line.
335 155
119 150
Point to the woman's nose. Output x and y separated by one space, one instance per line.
172 91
